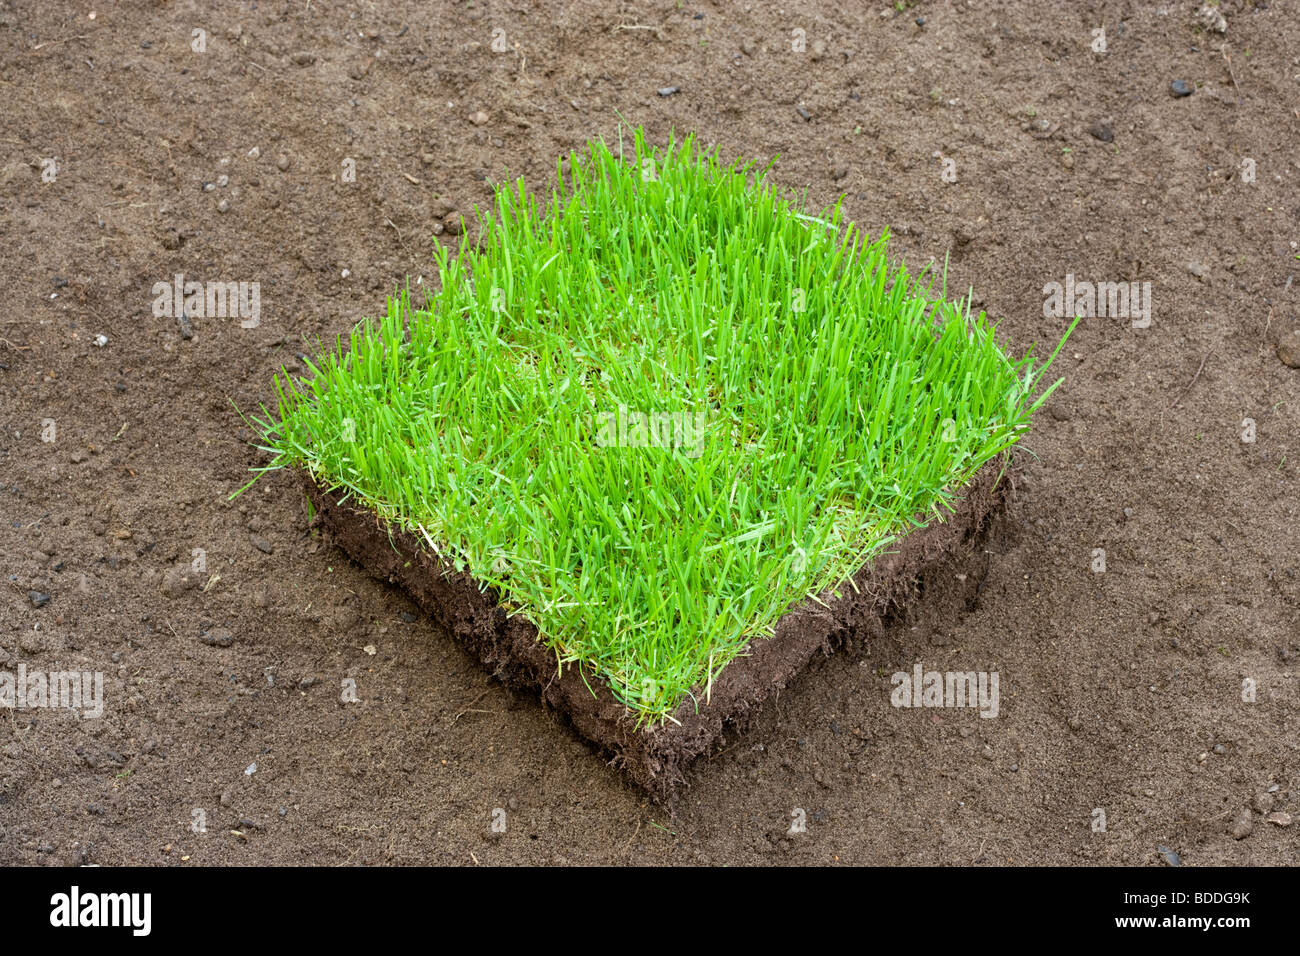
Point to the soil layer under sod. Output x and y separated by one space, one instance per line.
656 758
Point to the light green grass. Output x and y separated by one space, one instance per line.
841 405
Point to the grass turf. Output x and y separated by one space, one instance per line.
658 411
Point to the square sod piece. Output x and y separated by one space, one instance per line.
656 441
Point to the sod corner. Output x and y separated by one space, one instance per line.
656 757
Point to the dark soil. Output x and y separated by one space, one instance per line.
1121 692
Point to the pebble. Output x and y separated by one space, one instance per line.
1211 19
479 118
260 543
1288 353
1279 818
303 58
1181 88
1170 856
177 581
803 113
668 90
38 598
748 46
217 637
223 206
282 162
1101 131
1197 269
1242 825
1263 801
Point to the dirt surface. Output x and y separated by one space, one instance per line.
1121 691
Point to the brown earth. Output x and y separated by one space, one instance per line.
1120 691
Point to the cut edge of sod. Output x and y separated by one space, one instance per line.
481 423
657 757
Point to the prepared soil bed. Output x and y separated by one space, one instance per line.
667 424
993 138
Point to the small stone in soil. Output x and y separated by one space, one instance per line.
1242 825
1101 131
668 90
38 598
260 543
1170 856
803 113
1288 353
1181 88
217 637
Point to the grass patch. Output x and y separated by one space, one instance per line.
658 411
